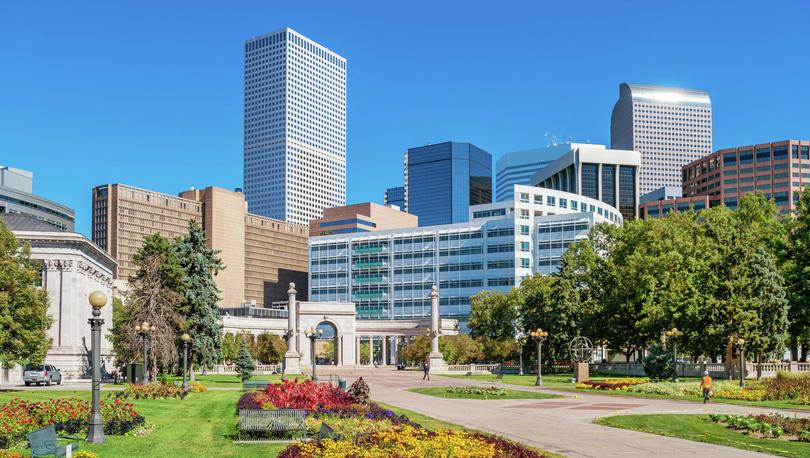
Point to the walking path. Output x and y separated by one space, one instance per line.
563 426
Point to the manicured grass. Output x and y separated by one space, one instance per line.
442 392
230 381
549 381
204 424
700 428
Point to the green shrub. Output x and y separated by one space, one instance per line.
658 365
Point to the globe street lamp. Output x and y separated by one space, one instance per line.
741 344
144 330
313 334
96 432
185 338
674 333
540 336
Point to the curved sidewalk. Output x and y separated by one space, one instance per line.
563 425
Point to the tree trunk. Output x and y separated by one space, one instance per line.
729 360
191 372
759 365
804 353
794 348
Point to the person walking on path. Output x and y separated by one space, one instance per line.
706 384
426 370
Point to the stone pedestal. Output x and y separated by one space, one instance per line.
581 372
292 363
437 363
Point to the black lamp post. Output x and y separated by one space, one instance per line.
144 330
540 336
185 338
313 334
741 344
674 333
95 433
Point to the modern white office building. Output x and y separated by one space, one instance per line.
603 174
295 127
16 197
388 274
669 126
518 167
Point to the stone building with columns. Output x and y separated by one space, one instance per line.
72 267
355 342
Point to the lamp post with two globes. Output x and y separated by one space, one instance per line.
540 336
673 334
313 334
95 433
144 330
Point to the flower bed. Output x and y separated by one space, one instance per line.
611 384
306 395
364 429
411 442
476 391
767 426
68 415
787 386
156 390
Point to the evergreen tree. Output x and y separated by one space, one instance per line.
201 294
244 362
24 319
230 347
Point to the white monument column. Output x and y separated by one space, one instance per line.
292 359
384 358
435 358
357 351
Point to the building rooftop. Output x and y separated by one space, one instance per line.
27 223
665 94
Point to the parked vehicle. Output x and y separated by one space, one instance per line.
41 373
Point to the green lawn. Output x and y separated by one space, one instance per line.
549 381
204 424
699 428
442 392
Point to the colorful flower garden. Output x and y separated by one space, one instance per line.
784 387
362 428
69 416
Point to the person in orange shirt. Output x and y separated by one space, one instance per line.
706 384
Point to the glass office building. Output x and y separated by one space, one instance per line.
396 196
295 127
442 181
388 274
593 171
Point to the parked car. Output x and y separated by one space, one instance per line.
41 373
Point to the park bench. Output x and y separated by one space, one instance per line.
279 421
249 385
44 442
502 370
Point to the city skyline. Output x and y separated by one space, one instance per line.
118 108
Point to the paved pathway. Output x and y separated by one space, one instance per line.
564 425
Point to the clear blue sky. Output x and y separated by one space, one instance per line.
150 94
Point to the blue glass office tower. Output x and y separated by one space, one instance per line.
443 180
395 196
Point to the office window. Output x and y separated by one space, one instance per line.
609 184
525 263
590 180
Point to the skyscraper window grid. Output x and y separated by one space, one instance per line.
295 127
669 127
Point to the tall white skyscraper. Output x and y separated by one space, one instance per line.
670 127
295 127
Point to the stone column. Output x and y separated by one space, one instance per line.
395 355
292 359
357 350
384 358
435 358
371 350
